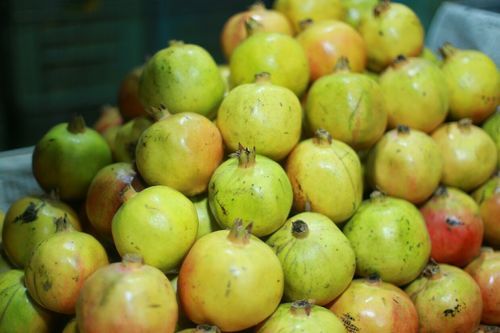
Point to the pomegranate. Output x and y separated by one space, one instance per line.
447 299
206 220
181 151
5 264
326 177
19 313
317 10
225 73
391 29
128 296
389 239
492 127
279 55
230 279
327 41
253 188
485 270
326 258
60 265
302 316
473 82
261 115
29 221
350 106
182 78
202 329
109 117
129 103
67 158
406 164
159 223
126 138
256 18
455 226
356 10
415 93
371 305
488 199
469 154
104 195
428 54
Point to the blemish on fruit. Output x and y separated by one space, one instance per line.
348 322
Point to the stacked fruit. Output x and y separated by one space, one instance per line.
237 197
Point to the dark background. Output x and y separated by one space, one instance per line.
60 57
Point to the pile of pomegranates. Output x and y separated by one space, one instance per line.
333 176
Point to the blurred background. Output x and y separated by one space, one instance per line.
60 57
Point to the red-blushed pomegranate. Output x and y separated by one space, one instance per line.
327 41
104 195
473 82
30 220
256 18
391 29
59 266
326 258
405 163
389 239
180 151
371 305
301 316
126 138
129 103
447 299
469 154
109 117
488 199
230 279
127 296
485 270
326 177
455 226
19 313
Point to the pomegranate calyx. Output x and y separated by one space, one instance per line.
373 278
403 130
246 157
262 77
305 23
240 234
447 50
127 192
63 224
77 124
132 259
300 229
257 6
342 65
432 270
322 137
207 329
252 25
381 7
301 307
465 124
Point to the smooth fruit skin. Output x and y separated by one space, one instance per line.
29 221
390 239
371 305
180 151
350 106
473 83
488 199
206 220
20 314
469 154
280 55
315 319
159 223
126 138
127 297
129 103
492 127
416 94
485 270
261 115
405 163
67 162
392 30
356 10
454 225
326 41
317 10
449 302
230 284
326 258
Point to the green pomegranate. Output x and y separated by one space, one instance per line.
405 163
391 29
350 106
415 93
67 158
261 115
473 82
277 54
253 188
182 78
326 177
302 316
356 10
488 198
159 223
469 154
389 238
19 313
126 138
326 258
29 221
492 127
206 220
